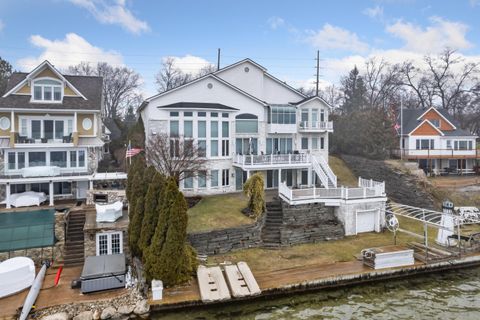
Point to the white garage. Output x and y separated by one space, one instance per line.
367 220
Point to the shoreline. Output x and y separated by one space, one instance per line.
331 282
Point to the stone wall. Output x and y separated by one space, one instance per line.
309 223
225 240
400 186
113 195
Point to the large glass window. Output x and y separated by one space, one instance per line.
304 143
425 144
282 115
59 129
48 129
188 129
37 159
21 160
202 179
225 177
246 123
58 158
174 130
225 148
188 182
202 148
11 161
246 145
62 188
214 178
36 129
279 145
73 159
225 129
214 129
214 148
40 187
202 129
81 158
47 90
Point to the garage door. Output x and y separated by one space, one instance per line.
366 220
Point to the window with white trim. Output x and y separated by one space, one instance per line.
109 243
47 90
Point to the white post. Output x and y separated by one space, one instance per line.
314 192
359 181
50 191
91 184
364 192
248 174
12 126
279 176
75 121
95 124
289 158
346 193
8 196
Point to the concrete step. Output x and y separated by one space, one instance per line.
74 255
73 262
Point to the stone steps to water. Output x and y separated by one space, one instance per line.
74 243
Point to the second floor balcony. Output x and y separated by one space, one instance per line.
413 154
315 126
300 160
47 139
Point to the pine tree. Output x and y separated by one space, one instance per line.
254 189
170 258
135 227
355 91
150 217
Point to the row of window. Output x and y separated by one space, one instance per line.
46 129
59 188
201 129
429 144
200 114
47 90
215 177
62 159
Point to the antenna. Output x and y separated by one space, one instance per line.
218 59
318 71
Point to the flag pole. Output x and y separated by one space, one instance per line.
401 128
130 147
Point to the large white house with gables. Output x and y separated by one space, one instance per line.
245 120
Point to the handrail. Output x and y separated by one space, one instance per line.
326 168
316 125
270 159
320 172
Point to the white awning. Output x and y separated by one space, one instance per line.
90 142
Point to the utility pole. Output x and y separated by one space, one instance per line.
218 59
318 71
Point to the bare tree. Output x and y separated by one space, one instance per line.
333 95
418 82
170 76
120 86
176 157
382 81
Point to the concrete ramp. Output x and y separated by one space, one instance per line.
236 281
249 278
212 284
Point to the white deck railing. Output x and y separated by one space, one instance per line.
316 125
272 159
313 194
326 168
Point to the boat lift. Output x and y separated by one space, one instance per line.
435 219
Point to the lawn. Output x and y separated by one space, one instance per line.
344 175
218 212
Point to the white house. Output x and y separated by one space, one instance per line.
435 140
246 121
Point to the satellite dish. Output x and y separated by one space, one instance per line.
392 222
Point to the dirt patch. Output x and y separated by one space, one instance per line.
192 201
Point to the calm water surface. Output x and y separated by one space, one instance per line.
451 295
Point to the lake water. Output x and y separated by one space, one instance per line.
449 295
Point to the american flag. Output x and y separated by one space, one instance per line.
132 151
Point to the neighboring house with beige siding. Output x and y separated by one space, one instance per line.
50 133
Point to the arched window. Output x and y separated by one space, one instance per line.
47 90
246 123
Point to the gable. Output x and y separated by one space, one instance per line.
433 114
425 129
47 72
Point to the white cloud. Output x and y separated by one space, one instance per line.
113 12
332 37
439 34
275 22
189 64
69 51
474 3
374 13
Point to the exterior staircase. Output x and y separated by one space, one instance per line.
273 221
74 242
324 172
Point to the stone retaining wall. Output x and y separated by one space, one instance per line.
226 240
309 223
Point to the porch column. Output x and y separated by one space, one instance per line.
8 196
91 184
50 191
95 124
248 174
12 128
310 182
279 176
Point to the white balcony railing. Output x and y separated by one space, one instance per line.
315 126
430 153
312 195
271 159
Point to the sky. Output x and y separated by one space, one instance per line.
283 36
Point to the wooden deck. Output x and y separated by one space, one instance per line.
311 277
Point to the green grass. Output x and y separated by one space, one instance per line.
218 212
344 175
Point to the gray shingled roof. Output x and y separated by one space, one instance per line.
197 105
89 86
410 122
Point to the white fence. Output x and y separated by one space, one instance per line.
272 159
368 189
